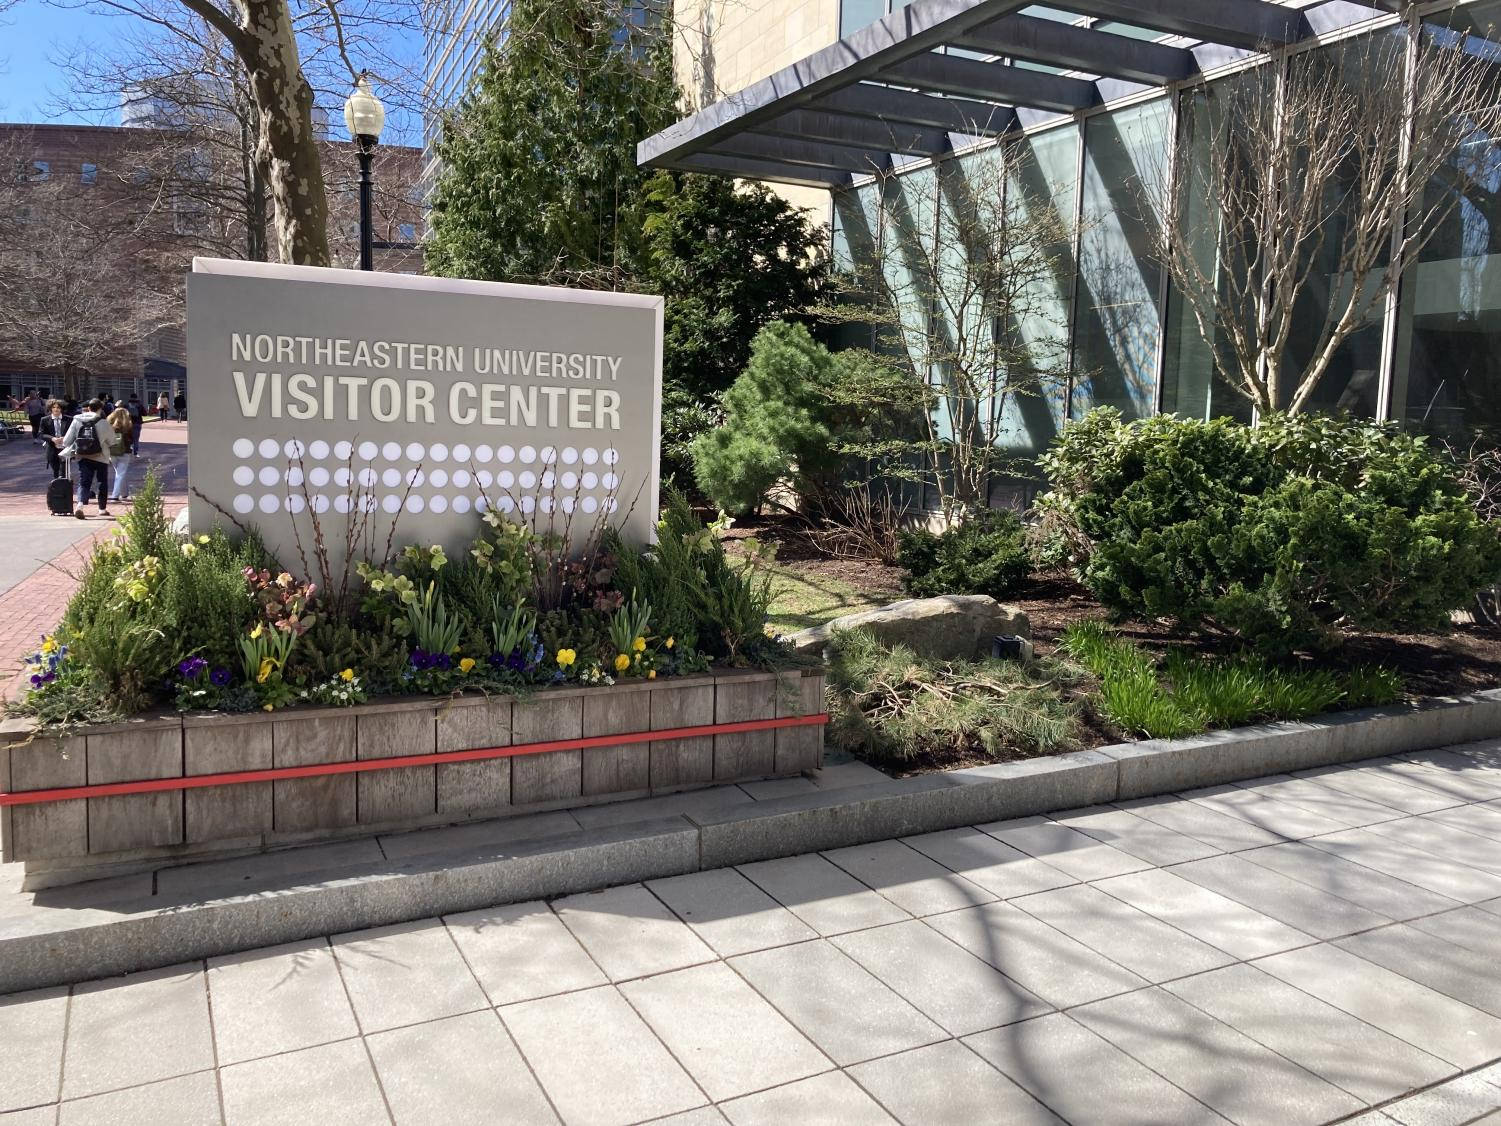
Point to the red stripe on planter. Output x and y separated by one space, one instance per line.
154 785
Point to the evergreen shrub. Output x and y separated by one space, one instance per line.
986 553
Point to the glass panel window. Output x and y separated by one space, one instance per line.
855 14
41 170
89 174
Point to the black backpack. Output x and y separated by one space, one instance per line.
88 440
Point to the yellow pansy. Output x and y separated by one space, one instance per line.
466 663
651 674
347 675
189 550
566 657
203 539
670 642
49 645
639 645
622 662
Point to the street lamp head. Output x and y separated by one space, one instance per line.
363 113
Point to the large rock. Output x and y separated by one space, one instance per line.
949 627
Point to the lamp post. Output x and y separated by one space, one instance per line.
364 116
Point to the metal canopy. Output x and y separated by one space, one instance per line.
896 89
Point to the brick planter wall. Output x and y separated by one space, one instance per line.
95 834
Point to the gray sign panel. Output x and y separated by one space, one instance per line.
364 399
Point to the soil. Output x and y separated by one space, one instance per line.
797 553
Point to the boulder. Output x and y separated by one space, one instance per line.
951 626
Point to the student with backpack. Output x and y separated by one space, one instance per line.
120 422
133 406
87 445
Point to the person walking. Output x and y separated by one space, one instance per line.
35 411
123 426
133 406
87 444
180 405
163 405
54 429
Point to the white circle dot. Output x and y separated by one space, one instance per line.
480 503
320 503
461 503
528 479
505 454
611 505
612 455
568 504
506 504
243 475
391 478
549 479
342 450
390 502
368 450
589 504
610 481
293 449
414 503
528 455
591 455
318 449
294 475
391 451
341 503
438 451
439 478
318 476
483 453
570 480
415 477
296 503
368 503
590 480
269 504
243 503
461 478
415 450
549 455
269 447
461 452
505 479
269 475
438 504
547 504
243 447
485 478
342 477
570 455
528 503
367 477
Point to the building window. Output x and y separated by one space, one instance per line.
41 171
89 175
407 232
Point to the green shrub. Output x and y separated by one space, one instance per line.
1283 535
985 554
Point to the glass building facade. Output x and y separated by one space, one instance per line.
1430 357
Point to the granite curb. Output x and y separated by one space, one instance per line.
75 934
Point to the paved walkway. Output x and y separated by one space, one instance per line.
1292 950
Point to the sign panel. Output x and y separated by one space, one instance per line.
366 399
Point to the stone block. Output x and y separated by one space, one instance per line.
218 746
799 748
626 768
149 749
682 762
50 830
549 775
741 695
326 802
404 792
949 626
474 787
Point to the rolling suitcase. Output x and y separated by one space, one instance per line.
60 492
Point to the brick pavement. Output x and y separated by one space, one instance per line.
34 605
1291 950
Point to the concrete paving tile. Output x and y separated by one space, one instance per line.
1418 866
277 999
629 1077
1379 785
404 974
424 1088
1076 853
31 1028
1207 915
1471 927
1447 841
1048 1055
1457 777
1048 962
188 1100
478 836
1148 840
948 1085
1459 1101
653 809
1446 1028
825 1100
135 1029
729 912
285 867
994 865
839 775
630 933
1131 938
36 1116
1214 1063
1229 834
522 950
838 1004
723 1032
1297 904
1348 809
821 894
1481 818
946 982
1356 1057
1456 971
779 788
703 1116
330 1085
908 878
1336 872
1275 816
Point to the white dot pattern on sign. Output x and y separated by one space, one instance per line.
591 455
296 503
243 475
461 452
368 477
461 478
415 451
269 504
527 455
438 478
390 502
269 476
485 478
368 451
342 477
318 476
270 447
414 503
243 447
343 451
438 451
506 479
318 449
528 479
483 453
320 503
528 504
294 476
243 503
505 454
293 449
570 455
341 503
391 451
390 478
438 503
461 504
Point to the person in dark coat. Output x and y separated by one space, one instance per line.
133 406
54 427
